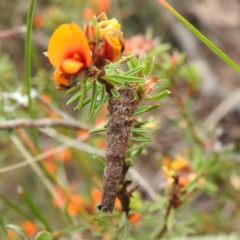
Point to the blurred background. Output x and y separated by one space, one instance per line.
198 123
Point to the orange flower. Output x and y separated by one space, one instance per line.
50 166
61 197
95 8
69 52
64 155
11 234
38 20
96 196
46 98
103 5
135 218
88 13
74 204
83 134
180 167
29 228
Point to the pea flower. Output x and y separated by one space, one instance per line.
69 52
110 36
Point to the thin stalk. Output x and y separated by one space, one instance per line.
205 40
164 229
27 63
54 178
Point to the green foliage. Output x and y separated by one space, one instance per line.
18 230
64 199
43 236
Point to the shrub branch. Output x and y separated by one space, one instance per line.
120 119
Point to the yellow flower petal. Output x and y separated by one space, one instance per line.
71 66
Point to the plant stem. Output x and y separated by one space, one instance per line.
27 63
164 229
120 119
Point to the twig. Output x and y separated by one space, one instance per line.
35 167
223 108
120 119
61 114
143 183
164 229
123 194
68 142
44 122
12 32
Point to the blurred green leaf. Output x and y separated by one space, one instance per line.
135 154
122 220
111 80
18 230
123 79
159 49
78 94
96 26
74 97
34 209
82 96
140 210
152 67
103 98
170 219
99 160
115 93
157 96
15 207
44 236
141 109
45 54
2 227
98 130
147 108
137 147
135 71
125 59
141 139
93 100
125 232
147 67
139 130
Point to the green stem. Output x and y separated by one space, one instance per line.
27 63
205 40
